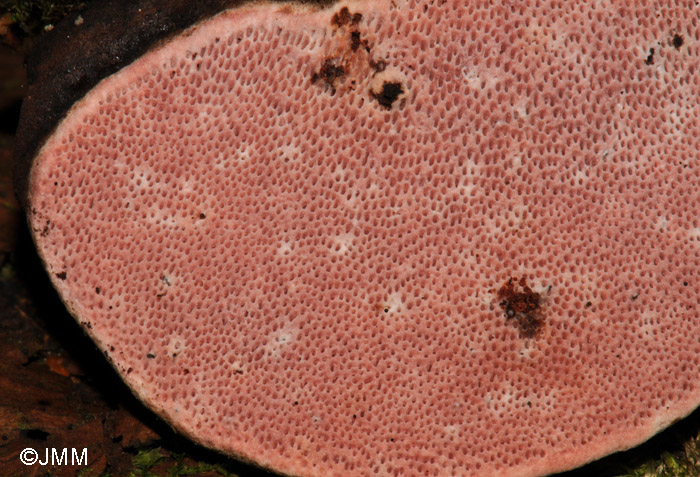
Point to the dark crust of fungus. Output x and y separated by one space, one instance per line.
72 58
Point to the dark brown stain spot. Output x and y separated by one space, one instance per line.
677 41
355 40
61 276
650 57
377 65
388 94
202 216
522 306
344 17
150 356
329 72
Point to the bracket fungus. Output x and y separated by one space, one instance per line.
407 237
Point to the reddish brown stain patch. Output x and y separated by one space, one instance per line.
329 72
344 17
349 58
521 305
377 65
355 40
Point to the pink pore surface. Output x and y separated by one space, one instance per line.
296 274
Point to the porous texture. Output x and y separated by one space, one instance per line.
406 238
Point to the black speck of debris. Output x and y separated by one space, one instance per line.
97 290
685 284
150 356
111 348
392 439
650 57
588 304
296 403
61 276
529 404
202 216
35 434
677 41
386 310
389 93
635 296
128 371
174 355
354 416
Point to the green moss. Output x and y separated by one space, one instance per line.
181 469
144 461
159 462
684 463
33 16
